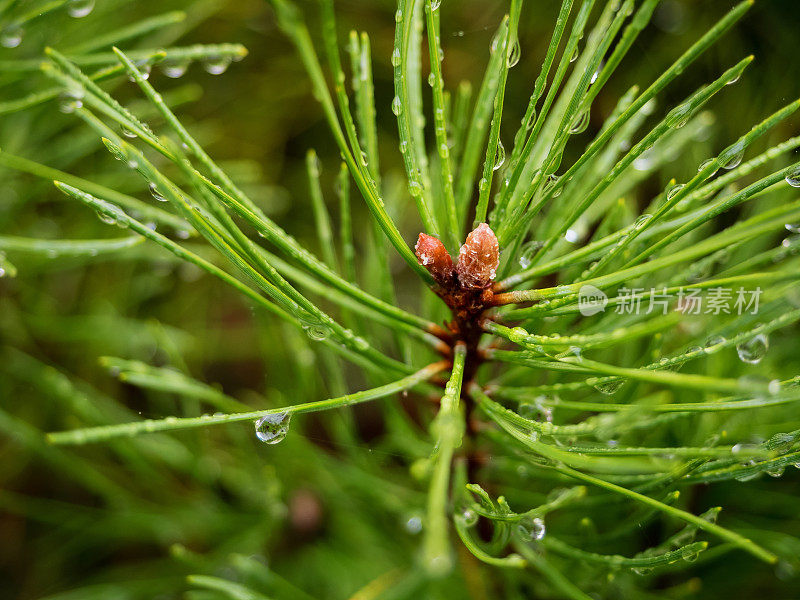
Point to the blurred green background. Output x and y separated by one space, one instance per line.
309 507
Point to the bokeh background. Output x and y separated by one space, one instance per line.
90 517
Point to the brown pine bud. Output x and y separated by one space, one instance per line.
432 255
478 258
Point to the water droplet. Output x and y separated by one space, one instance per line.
753 350
513 55
572 236
69 103
713 343
645 160
518 335
175 68
397 106
435 4
743 448
11 35
431 79
413 525
316 331
79 8
671 193
403 147
574 56
732 157
500 156
216 65
689 555
530 121
775 471
144 69
483 184
793 178
550 186
581 123
704 165
794 228
272 428
415 188
531 529
128 133
360 343
608 387
444 151
396 57
642 221
469 517
679 116
529 250
155 193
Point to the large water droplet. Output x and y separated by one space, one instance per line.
530 120
79 8
713 343
469 517
753 350
550 186
608 387
793 178
513 55
431 79
732 157
144 69
396 57
128 133
705 164
397 106
531 529
500 156
529 250
679 116
272 428
645 161
175 68
316 331
69 102
672 192
413 524
11 35
155 193
642 221
581 123
435 4
216 65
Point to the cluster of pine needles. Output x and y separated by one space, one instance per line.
527 446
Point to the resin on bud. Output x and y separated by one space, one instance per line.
478 258
432 255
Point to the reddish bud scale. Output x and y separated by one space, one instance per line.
478 258
432 255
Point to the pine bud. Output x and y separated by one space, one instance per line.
432 255
478 258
